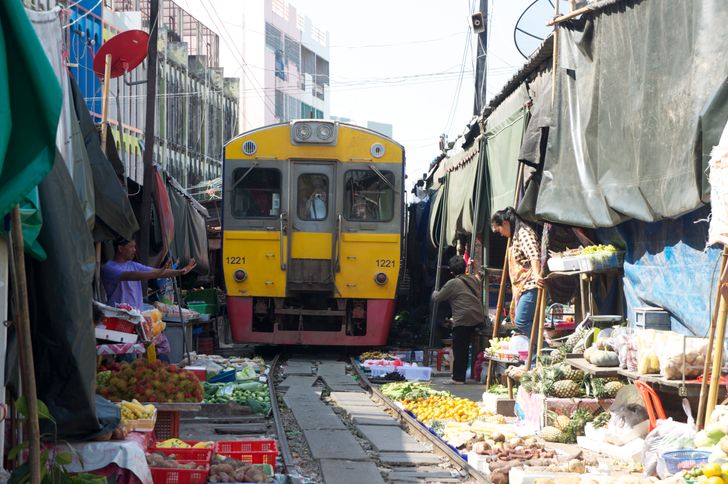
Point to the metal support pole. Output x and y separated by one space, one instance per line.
440 250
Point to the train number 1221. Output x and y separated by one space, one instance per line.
385 263
235 260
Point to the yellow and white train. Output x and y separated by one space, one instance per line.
312 233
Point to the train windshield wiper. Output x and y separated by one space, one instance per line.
384 178
237 182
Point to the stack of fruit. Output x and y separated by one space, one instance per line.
564 429
181 444
711 473
438 407
135 411
149 382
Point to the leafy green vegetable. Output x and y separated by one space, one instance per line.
409 391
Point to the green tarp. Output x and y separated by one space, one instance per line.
30 106
463 174
640 99
504 133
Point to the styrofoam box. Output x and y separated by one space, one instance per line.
409 372
563 264
115 336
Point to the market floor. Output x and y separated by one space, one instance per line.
470 390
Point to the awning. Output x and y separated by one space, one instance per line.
190 229
463 169
504 132
114 213
31 108
641 96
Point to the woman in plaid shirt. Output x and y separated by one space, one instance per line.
524 265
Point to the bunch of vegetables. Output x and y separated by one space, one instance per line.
599 249
439 407
408 391
252 394
224 469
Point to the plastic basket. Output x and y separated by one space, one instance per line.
117 324
143 424
679 460
249 451
211 445
223 377
179 476
202 307
167 425
182 454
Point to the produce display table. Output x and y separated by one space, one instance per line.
127 454
503 361
598 371
120 349
535 406
692 387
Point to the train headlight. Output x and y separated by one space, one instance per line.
313 132
240 275
381 278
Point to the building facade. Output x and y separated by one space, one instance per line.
282 58
196 105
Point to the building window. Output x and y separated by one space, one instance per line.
256 193
313 196
279 105
293 52
280 65
367 197
272 37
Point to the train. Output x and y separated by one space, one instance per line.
312 233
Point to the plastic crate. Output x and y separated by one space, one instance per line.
143 424
179 476
183 454
202 307
167 426
249 451
121 325
679 460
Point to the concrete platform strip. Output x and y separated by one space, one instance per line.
350 472
391 439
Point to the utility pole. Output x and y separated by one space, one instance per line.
148 190
480 65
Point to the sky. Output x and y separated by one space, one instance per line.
410 63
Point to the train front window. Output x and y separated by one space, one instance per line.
367 197
256 193
313 197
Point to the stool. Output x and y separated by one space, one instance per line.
653 405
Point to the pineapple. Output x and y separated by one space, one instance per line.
612 387
571 373
566 389
561 422
550 434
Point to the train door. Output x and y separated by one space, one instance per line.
312 225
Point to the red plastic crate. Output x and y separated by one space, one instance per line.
179 476
249 451
116 324
167 425
154 444
198 456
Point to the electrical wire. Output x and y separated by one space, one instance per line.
456 97
84 15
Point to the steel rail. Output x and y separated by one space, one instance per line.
285 450
416 427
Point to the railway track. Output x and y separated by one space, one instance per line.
353 433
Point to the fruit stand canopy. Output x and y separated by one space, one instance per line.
633 139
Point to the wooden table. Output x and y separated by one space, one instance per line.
509 380
691 387
597 371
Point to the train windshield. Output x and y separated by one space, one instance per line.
256 193
313 196
368 195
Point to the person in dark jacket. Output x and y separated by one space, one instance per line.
464 295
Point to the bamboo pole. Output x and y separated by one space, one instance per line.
541 320
711 337
718 346
568 16
105 101
440 250
534 328
555 60
25 345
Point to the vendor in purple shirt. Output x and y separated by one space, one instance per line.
122 275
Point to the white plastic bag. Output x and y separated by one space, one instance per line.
667 436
